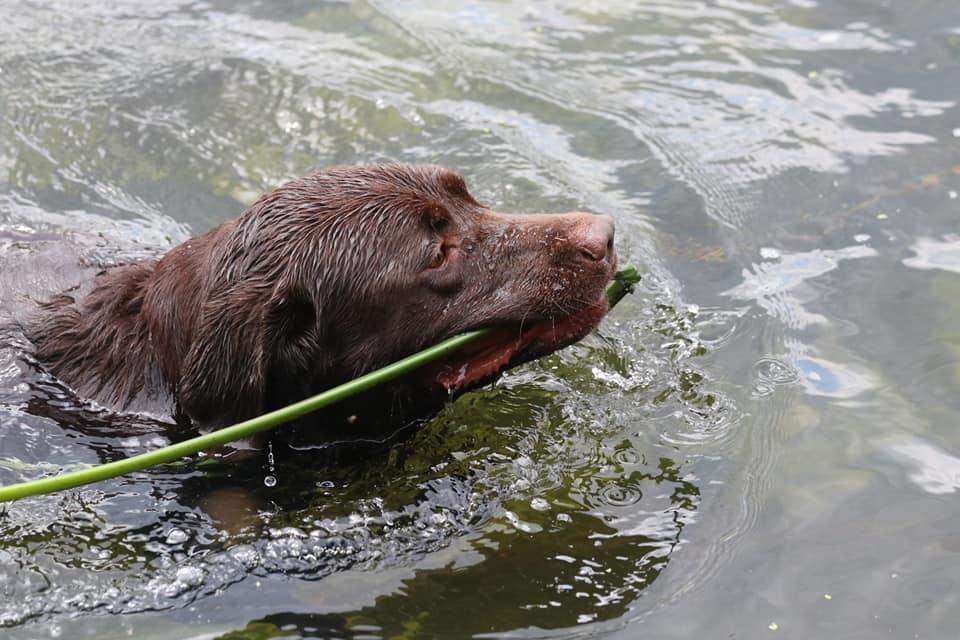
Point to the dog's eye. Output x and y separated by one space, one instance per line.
436 217
438 257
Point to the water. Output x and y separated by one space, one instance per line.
760 443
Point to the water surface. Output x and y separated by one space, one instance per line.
762 442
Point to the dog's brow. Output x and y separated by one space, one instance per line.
454 184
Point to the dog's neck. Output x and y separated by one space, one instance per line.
99 344
124 341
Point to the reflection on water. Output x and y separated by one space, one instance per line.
936 254
780 286
934 470
771 418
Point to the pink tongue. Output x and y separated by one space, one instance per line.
486 358
496 351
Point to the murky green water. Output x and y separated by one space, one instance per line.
764 442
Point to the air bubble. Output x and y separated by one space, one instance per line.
775 371
539 504
190 576
177 536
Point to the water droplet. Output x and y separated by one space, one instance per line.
270 481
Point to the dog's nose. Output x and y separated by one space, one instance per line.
595 237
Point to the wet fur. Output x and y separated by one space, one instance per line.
320 280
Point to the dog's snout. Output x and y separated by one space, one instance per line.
594 237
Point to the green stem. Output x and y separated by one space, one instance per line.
621 285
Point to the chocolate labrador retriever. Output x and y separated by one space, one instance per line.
325 278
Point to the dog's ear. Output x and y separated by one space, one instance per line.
292 321
223 378
247 339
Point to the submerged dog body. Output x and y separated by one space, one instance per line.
325 278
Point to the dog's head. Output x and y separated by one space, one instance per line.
342 271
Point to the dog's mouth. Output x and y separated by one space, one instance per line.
509 346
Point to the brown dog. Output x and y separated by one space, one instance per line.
325 278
